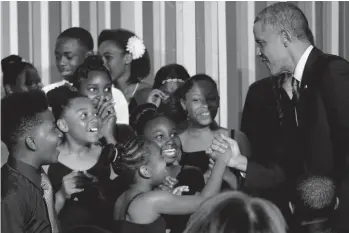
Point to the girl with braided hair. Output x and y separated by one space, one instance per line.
141 208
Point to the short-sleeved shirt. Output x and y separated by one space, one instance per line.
23 207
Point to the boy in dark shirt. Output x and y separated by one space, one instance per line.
29 131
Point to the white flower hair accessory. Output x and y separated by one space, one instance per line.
135 47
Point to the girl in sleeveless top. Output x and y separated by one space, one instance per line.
159 128
200 99
83 167
140 208
127 58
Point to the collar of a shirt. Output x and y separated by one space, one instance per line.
298 72
28 171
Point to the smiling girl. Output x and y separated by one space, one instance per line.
161 130
83 166
200 99
127 58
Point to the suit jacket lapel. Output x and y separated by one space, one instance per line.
307 85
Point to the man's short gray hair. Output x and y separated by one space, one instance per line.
284 16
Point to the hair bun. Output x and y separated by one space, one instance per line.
59 97
10 63
94 61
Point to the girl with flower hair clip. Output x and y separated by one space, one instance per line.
127 59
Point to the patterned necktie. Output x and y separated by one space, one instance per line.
295 97
48 196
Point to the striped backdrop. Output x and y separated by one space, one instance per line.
206 37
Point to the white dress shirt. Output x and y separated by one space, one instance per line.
298 72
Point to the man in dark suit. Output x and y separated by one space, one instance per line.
298 120
318 86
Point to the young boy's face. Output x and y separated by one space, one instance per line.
69 55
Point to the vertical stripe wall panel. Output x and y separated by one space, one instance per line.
170 21
206 37
148 35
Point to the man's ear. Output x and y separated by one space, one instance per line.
145 172
30 143
128 58
337 203
291 206
286 37
7 89
62 125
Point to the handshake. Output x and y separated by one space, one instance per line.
225 148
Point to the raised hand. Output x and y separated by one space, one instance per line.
179 190
222 145
106 112
105 107
168 184
156 96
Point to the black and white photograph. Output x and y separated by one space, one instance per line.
174 116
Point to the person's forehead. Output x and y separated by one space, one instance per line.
203 87
160 122
66 43
262 29
98 77
109 46
80 102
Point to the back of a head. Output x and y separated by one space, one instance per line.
314 197
12 66
81 35
171 71
129 157
19 114
235 212
285 16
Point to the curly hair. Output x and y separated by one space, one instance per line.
19 114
